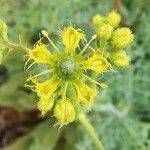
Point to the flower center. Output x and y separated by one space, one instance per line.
67 69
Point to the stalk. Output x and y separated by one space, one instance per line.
90 130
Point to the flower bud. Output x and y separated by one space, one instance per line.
113 18
104 32
97 20
120 59
121 38
45 105
3 30
64 112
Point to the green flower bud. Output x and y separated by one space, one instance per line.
3 30
97 20
64 112
113 18
45 105
121 38
104 32
120 59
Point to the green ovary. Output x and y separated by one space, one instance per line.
67 69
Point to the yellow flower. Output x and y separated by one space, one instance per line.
72 70
120 59
71 37
121 38
66 68
40 54
98 63
113 18
64 112
85 93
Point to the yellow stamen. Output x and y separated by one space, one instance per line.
39 74
92 80
85 47
30 66
26 63
51 42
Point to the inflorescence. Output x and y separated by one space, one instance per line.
70 68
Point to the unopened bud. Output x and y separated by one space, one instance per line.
121 38
64 112
104 32
97 20
120 59
113 18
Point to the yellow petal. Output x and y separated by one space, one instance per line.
85 93
98 63
40 54
45 105
46 88
71 38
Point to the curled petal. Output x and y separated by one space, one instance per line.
46 88
45 104
40 54
85 93
71 38
98 63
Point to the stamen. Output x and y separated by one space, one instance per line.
39 74
46 35
26 63
92 80
33 87
85 47
27 85
30 66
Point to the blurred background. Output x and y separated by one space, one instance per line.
121 113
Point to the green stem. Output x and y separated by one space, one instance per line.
90 130
84 121
15 46
64 91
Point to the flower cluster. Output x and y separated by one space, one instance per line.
70 84
112 39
